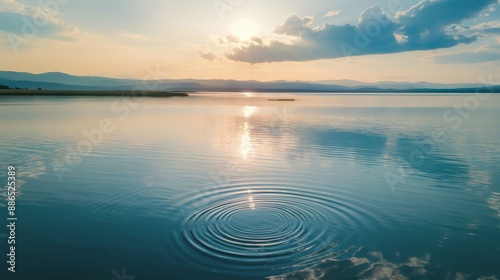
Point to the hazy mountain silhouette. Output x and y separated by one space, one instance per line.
62 81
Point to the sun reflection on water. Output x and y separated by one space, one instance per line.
251 200
246 139
248 111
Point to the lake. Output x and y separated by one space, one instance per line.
235 186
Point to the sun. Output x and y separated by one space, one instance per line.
245 29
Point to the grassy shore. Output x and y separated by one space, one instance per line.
96 93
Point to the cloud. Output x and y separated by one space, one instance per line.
133 36
28 22
257 40
485 30
425 26
209 56
232 39
487 53
229 39
425 23
468 57
333 13
294 26
491 27
11 6
330 41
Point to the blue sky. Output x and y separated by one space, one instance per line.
447 41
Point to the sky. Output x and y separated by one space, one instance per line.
444 41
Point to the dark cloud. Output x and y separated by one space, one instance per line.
425 23
425 26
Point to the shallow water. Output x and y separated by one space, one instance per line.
221 187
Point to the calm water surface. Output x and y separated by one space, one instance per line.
218 187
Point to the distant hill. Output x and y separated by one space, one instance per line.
62 81
62 78
397 85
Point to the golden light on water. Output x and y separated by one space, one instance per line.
248 111
246 142
246 139
252 203
250 200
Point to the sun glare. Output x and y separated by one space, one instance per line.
248 111
245 29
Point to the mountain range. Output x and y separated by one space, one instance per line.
63 81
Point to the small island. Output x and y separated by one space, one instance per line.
281 99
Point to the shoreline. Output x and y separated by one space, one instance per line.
91 93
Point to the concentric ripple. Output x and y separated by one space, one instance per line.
253 227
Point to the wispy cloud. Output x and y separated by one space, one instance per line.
26 21
133 36
486 53
11 6
234 40
482 29
469 57
257 40
333 13
229 39
209 56
425 26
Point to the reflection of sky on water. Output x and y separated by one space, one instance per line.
365 263
445 167
435 165
457 187
29 167
366 146
333 143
